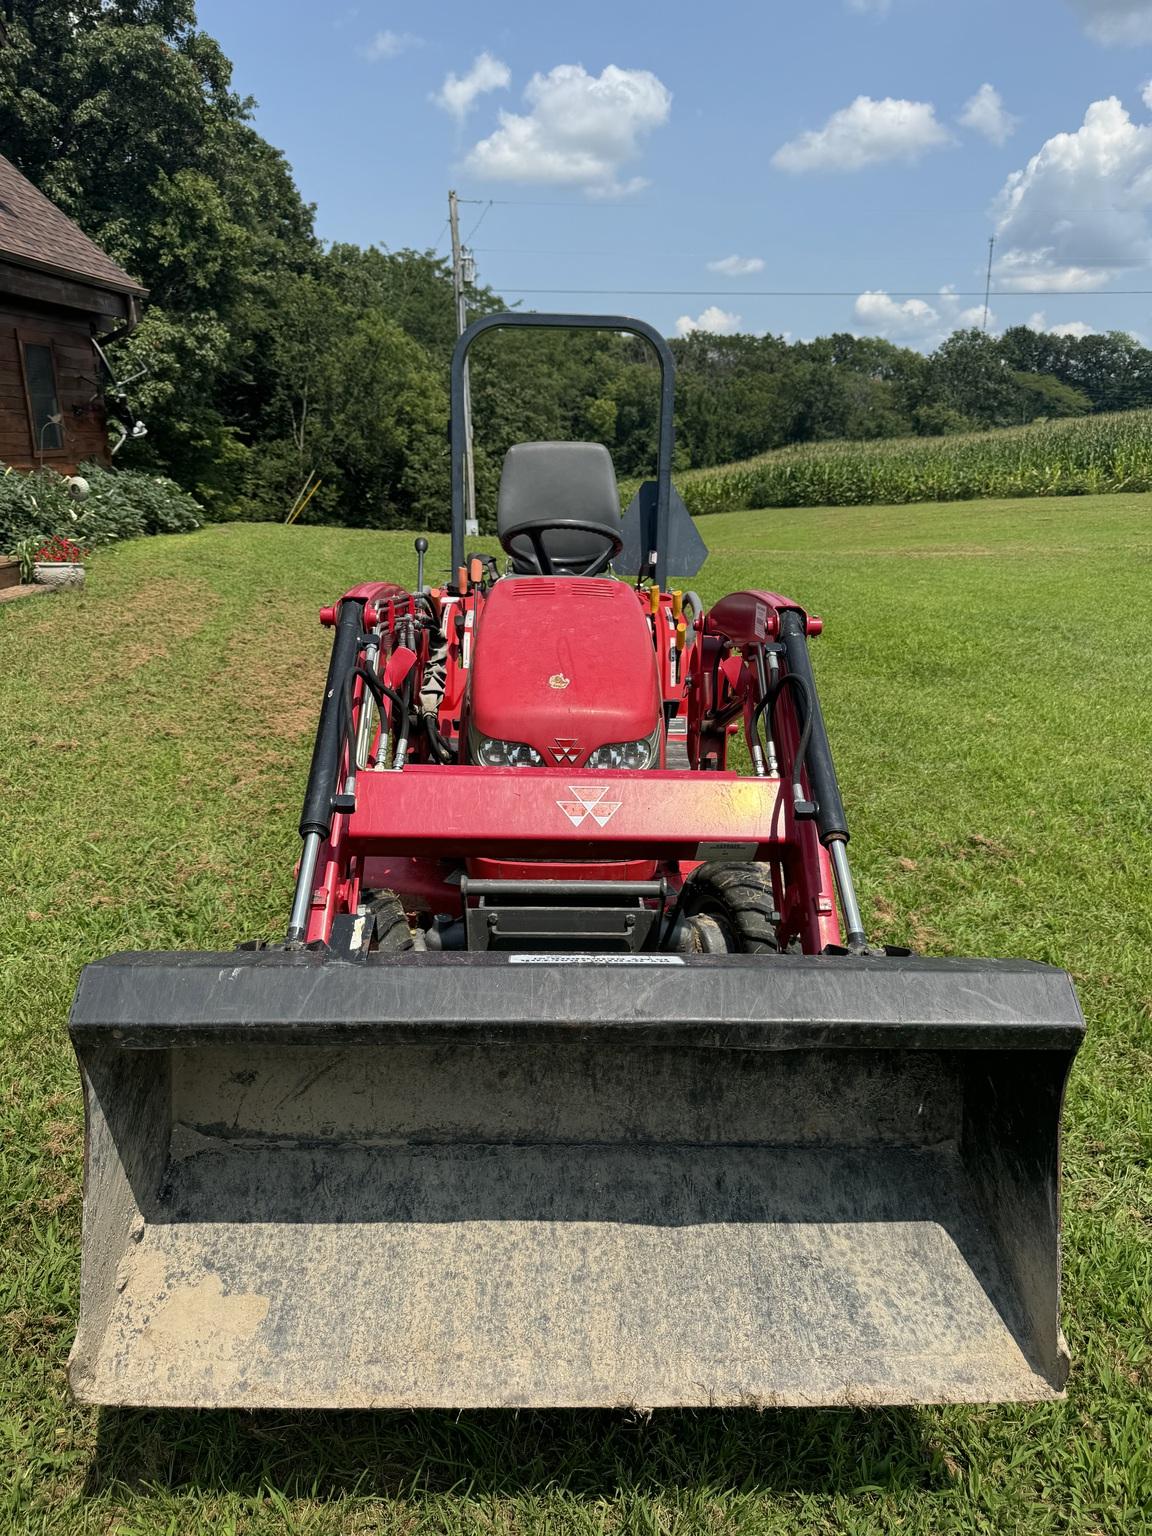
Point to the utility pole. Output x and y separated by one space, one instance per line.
463 272
988 283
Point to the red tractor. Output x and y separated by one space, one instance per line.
568 1085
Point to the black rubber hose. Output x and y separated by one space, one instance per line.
830 817
317 813
801 688
441 747
380 691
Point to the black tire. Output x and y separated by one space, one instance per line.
393 935
738 898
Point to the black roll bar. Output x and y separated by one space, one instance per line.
505 321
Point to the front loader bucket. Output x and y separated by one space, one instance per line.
489 1180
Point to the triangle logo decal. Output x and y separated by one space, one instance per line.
588 802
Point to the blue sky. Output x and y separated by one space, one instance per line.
867 148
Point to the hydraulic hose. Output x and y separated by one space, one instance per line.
380 691
768 702
441 748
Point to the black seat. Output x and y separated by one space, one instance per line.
541 481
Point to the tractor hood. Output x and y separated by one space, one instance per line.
565 664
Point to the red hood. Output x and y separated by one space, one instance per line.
566 664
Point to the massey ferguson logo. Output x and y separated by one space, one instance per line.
589 801
566 749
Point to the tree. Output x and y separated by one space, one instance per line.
185 358
388 432
124 113
969 375
1029 351
1114 370
1043 395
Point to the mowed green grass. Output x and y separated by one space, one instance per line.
987 676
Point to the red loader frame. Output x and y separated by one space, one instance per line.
429 829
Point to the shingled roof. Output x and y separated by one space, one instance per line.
35 233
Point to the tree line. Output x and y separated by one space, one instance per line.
271 356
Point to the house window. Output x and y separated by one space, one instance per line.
43 400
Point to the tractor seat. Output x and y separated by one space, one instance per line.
560 480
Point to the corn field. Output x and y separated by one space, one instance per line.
1088 456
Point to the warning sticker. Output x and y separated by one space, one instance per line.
595 960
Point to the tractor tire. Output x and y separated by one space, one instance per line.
737 899
393 934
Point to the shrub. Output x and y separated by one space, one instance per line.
133 502
124 504
33 507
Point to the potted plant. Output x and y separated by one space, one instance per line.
59 563
24 554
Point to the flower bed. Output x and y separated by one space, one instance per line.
111 505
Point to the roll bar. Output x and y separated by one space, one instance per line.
506 321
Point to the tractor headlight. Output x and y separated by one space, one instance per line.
644 753
504 754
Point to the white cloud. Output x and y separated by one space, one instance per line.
459 92
1076 215
737 266
580 131
873 7
914 318
714 321
1146 95
1117 21
866 133
915 321
1039 322
386 45
984 113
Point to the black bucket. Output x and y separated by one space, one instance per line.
528 1181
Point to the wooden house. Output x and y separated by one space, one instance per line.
59 294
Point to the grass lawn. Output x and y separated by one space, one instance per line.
987 676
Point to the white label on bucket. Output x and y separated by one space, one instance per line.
726 851
595 960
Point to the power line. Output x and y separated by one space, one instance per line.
642 256
516 202
479 221
839 293
571 250
511 250
609 205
